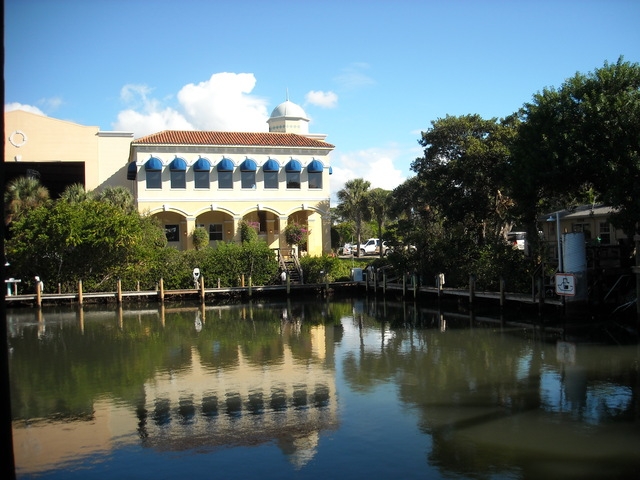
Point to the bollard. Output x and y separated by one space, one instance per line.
161 292
79 292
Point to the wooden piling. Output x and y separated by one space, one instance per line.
119 291
80 292
38 295
161 291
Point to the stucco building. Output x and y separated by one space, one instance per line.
61 153
217 180
190 178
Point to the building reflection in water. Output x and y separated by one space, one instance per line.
288 400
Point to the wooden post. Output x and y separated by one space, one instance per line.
161 292
202 288
38 294
384 282
79 292
59 288
218 282
414 279
138 285
288 283
119 291
404 284
250 285
502 295
242 280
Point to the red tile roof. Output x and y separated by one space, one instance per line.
257 139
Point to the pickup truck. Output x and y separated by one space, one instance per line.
372 247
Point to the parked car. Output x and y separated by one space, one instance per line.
372 247
346 249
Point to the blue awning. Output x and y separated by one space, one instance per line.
315 167
153 165
178 165
132 171
225 165
202 165
271 166
293 166
248 166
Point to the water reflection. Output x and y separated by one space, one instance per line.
487 396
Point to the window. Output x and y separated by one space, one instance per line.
153 169
315 180
262 219
172 232
178 169
201 170
215 232
293 179
201 179
293 169
225 179
605 233
271 180
248 179
248 173
178 179
154 179
314 172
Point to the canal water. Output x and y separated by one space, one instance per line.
314 389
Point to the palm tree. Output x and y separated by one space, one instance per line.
22 194
119 196
353 203
378 200
75 193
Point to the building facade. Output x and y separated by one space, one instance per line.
217 180
60 153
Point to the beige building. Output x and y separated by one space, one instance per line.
190 178
217 180
60 153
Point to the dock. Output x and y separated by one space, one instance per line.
397 290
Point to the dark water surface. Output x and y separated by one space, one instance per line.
314 389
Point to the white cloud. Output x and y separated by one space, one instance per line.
9 107
221 103
376 165
322 99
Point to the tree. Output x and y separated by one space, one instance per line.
378 200
119 196
464 171
200 238
91 241
75 193
21 195
583 137
353 204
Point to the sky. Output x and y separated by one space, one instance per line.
371 75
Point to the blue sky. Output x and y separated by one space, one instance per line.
370 74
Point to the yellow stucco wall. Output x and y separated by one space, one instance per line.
35 138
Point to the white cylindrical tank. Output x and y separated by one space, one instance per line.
574 253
